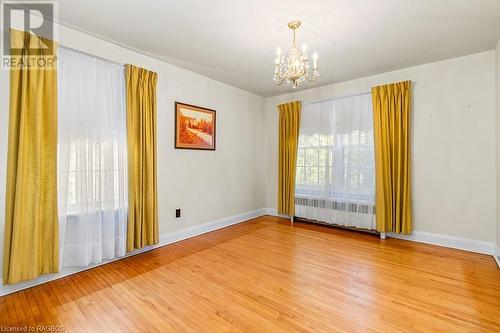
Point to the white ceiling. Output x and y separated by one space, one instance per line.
235 41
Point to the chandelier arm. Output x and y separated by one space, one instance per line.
314 76
282 79
280 74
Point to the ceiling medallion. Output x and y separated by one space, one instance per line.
294 68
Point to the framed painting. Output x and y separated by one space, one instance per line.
194 127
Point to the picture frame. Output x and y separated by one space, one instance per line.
195 127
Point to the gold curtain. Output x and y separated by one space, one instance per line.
391 117
289 122
31 246
142 228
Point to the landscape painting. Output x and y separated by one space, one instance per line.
194 127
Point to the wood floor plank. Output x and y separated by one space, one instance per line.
266 275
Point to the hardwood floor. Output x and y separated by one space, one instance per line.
268 276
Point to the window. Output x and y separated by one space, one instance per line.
335 175
96 173
314 161
92 173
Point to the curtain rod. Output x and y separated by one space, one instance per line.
337 98
91 55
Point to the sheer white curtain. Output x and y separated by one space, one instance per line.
335 164
92 174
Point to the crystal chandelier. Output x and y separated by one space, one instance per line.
295 68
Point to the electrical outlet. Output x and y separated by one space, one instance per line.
177 213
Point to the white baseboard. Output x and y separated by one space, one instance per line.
164 240
210 226
466 244
437 239
274 212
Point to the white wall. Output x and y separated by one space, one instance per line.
453 141
206 185
497 132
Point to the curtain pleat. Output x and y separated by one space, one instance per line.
391 119
142 227
289 122
31 221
